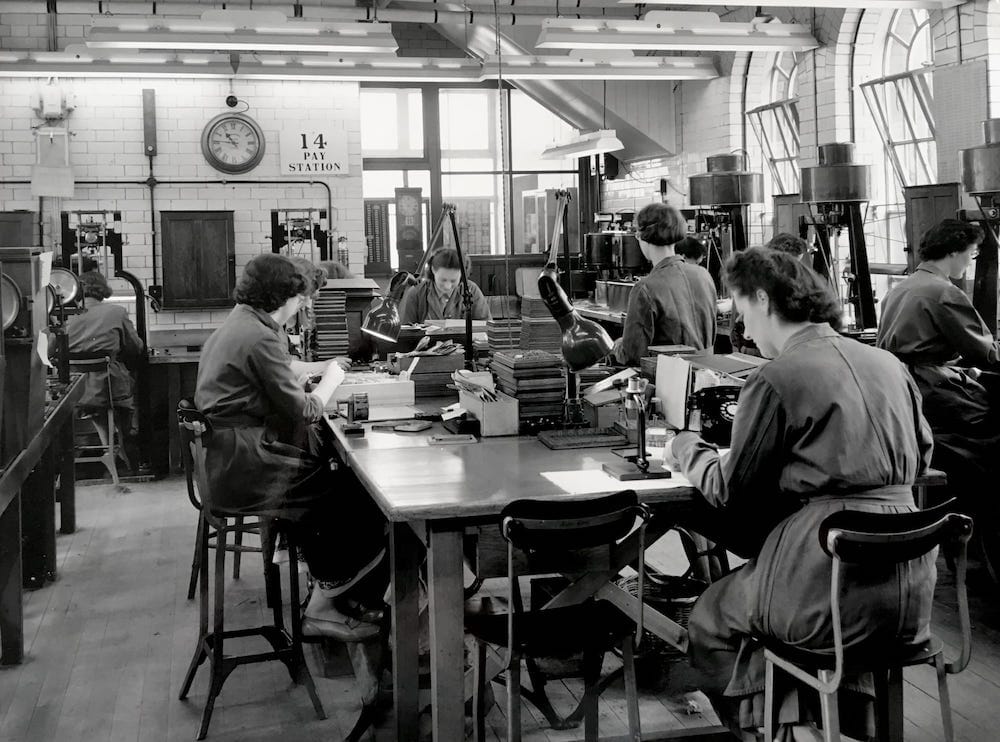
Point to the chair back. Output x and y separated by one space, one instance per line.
879 539
571 536
93 363
560 525
857 537
194 428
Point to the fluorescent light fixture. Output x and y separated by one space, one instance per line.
674 30
240 31
893 4
579 67
584 145
82 62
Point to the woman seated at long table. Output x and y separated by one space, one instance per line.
828 424
268 454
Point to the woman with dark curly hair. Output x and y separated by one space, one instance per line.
675 303
829 424
269 452
930 325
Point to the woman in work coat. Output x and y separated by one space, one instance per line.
828 424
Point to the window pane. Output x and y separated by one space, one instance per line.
477 212
468 164
534 127
465 119
392 123
379 115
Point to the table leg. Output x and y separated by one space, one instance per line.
174 461
11 602
405 553
445 591
38 523
67 479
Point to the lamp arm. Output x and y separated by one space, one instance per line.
449 209
562 204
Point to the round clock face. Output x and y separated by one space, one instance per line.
232 143
408 206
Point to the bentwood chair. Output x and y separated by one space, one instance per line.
877 541
286 645
242 525
571 537
110 445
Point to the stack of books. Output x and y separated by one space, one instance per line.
535 378
430 373
330 312
503 334
539 331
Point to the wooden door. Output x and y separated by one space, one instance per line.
17 228
199 259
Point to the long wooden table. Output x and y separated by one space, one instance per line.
431 493
27 514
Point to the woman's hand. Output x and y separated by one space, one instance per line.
669 459
333 375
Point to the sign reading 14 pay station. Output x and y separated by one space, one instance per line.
313 152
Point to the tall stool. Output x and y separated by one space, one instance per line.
103 420
242 524
286 647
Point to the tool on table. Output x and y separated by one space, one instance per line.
409 426
446 438
354 407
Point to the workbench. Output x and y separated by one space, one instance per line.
28 494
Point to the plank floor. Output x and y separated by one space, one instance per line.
108 643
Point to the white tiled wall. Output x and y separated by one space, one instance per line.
107 149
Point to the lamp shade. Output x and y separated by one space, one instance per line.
383 321
585 145
584 342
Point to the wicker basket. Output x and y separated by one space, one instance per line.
674 597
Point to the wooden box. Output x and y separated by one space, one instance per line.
495 418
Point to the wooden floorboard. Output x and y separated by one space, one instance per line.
107 646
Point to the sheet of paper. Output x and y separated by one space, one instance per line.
673 380
45 261
401 412
595 481
42 346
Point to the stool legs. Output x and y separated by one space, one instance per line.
238 551
200 536
829 712
285 648
945 698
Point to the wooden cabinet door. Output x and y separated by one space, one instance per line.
17 228
199 259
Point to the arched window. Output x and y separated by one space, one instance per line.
776 124
900 101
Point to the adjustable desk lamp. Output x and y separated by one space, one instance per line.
584 342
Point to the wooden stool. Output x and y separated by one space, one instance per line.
286 647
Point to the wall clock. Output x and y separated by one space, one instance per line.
232 143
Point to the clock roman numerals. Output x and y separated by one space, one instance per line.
232 143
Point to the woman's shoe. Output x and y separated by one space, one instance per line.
333 588
335 625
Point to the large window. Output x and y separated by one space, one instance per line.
459 157
898 95
900 101
776 124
